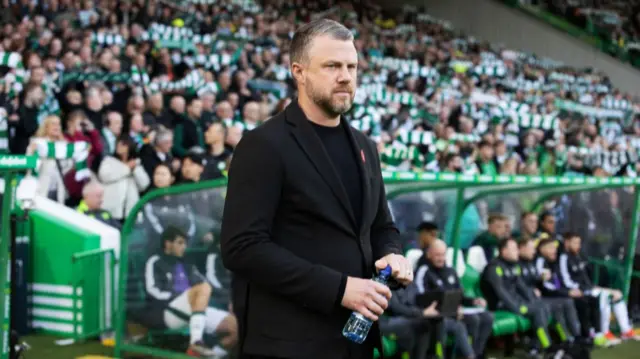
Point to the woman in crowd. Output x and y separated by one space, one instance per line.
123 178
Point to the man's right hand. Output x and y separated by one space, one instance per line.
575 293
431 311
365 296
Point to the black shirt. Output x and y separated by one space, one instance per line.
342 154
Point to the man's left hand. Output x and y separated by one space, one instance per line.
480 302
401 269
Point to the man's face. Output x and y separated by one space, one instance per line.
115 123
498 228
177 247
328 74
549 224
426 237
530 224
93 199
195 109
573 245
549 251
214 134
510 252
527 251
438 256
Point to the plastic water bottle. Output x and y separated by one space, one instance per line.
358 325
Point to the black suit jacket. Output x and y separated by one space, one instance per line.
289 236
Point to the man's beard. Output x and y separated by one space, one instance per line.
331 106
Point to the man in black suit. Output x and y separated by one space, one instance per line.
306 222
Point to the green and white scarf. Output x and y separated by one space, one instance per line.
76 151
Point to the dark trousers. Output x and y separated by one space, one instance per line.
413 334
479 327
588 309
564 313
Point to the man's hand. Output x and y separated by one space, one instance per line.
365 296
546 275
431 311
480 302
401 269
575 293
460 313
536 291
615 294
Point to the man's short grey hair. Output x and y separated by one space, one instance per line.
307 33
91 186
162 134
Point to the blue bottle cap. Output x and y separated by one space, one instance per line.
386 272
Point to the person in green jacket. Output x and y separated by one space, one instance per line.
498 230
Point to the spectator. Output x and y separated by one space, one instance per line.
496 232
123 178
91 204
218 153
112 132
159 152
51 170
189 132
427 234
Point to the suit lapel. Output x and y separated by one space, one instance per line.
361 160
310 143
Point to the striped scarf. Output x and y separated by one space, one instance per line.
77 151
396 154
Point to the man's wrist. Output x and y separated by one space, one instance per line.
341 290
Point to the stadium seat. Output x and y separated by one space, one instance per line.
413 255
476 258
460 265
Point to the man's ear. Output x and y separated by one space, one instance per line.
297 71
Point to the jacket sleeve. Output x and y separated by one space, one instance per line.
112 170
385 237
178 139
141 178
253 194
495 280
547 288
152 278
565 275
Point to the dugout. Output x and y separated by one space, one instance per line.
603 210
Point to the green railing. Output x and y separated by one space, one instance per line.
86 266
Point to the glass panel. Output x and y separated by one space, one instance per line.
163 269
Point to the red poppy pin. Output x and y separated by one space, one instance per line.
362 154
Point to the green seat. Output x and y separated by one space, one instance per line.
505 323
389 347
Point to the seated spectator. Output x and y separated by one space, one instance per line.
427 234
587 307
497 231
123 178
502 286
561 308
471 331
91 204
179 294
528 227
575 277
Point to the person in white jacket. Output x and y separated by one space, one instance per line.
123 178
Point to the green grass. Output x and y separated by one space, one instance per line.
44 347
